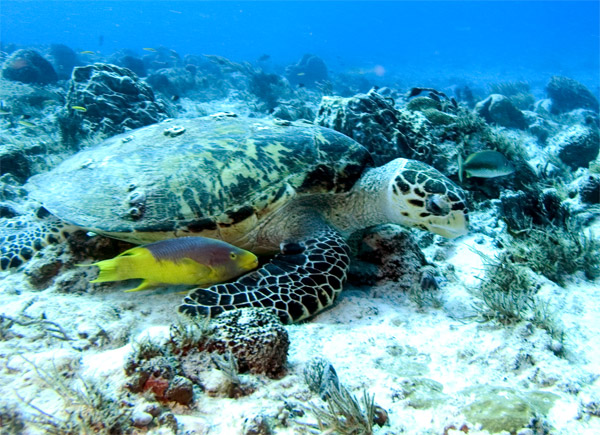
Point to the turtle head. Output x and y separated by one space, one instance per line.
420 196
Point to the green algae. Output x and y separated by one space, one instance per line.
423 103
500 409
423 393
404 361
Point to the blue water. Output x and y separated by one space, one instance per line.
412 40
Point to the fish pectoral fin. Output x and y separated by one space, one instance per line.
143 286
201 272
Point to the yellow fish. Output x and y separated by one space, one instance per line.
185 260
152 50
79 108
26 123
86 52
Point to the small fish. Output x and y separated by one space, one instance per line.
174 11
300 74
79 108
484 164
185 260
26 123
152 50
4 112
86 52
264 58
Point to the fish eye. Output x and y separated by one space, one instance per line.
232 255
437 205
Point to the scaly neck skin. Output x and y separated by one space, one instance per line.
365 205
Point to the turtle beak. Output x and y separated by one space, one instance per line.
456 224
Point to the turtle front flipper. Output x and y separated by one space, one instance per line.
22 236
302 280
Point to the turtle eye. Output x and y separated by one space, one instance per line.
437 205
232 255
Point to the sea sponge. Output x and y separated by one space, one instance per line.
255 336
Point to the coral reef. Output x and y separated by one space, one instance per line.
172 81
134 64
522 209
64 59
373 121
28 66
308 71
498 109
589 190
575 146
568 94
114 99
152 369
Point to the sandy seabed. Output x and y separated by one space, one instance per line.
424 365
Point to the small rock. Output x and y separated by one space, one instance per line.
258 425
141 419
181 390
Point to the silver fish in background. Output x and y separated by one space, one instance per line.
484 164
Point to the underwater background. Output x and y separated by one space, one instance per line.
430 41
125 125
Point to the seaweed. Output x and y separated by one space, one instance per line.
187 333
88 407
506 293
518 92
11 419
343 413
234 387
558 252
46 327
425 293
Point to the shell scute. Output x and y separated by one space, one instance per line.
221 172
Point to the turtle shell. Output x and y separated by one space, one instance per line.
216 176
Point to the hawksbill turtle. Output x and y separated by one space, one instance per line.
293 189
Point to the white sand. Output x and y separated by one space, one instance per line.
375 338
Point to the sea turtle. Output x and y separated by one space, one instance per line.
268 186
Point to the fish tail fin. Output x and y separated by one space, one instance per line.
143 286
460 168
109 270
123 266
